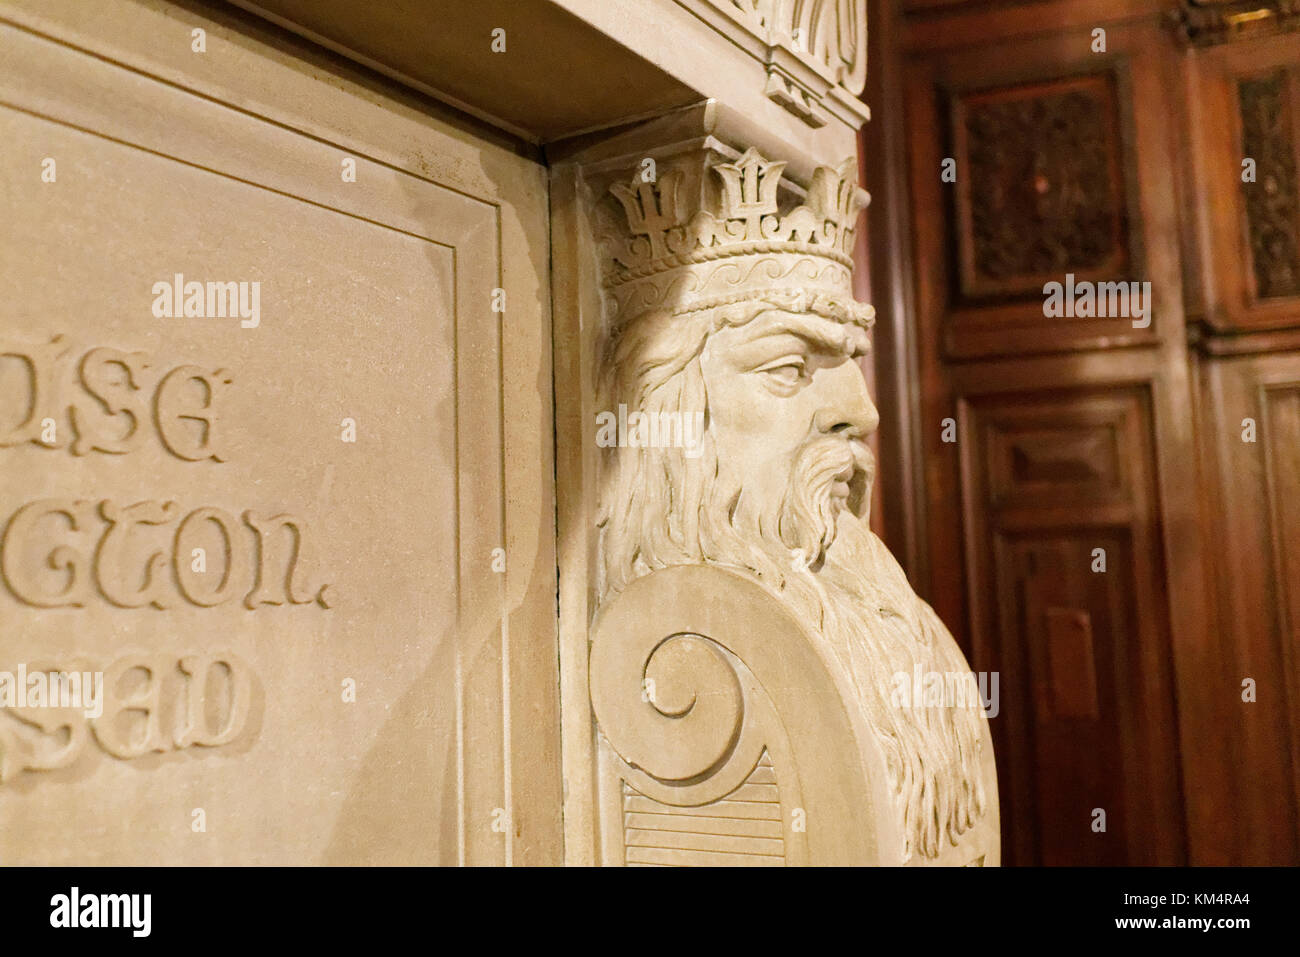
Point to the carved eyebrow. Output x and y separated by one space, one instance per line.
823 335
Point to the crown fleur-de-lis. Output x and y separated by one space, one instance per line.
836 198
749 189
671 228
651 208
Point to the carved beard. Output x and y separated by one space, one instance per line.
822 558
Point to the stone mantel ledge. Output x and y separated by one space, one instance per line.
800 80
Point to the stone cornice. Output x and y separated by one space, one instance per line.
815 67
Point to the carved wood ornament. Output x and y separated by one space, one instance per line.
1273 205
1045 193
1206 22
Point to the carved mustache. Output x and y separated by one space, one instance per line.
864 461
808 514
826 460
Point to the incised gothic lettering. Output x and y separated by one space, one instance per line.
152 704
50 559
47 558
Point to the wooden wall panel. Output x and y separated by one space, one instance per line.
1243 152
1267 108
1063 534
1045 191
1075 433
1244 104
1254 521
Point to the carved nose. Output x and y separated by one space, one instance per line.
851 411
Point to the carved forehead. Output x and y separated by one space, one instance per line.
775 325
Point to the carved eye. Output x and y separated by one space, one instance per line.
787 371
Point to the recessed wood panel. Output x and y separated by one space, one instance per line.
1062 568
1244 154
1059 644
1251 433
1029 175
1271 190
1282 457
1081 448
1072 668
1040 186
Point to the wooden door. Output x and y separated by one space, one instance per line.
1103 508
1059 467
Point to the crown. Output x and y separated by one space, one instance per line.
739 248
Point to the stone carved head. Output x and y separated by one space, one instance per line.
744 314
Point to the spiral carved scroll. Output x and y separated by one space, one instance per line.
732 674
677 706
